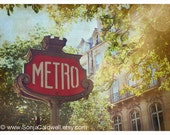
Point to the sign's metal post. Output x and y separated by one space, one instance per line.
55 112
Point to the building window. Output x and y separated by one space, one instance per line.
117 123
97 40
131 82
90 42
115 90
135 121
84 47
157 117
153 80
98 58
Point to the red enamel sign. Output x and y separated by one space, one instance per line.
55 75
52 74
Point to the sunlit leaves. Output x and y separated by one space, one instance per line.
10 7
93 112
70 50
135 46
164 74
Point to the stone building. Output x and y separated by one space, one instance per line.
148 112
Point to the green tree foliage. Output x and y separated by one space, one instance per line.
156 44
137 41
10 7
16 110
92 112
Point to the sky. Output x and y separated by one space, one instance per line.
23 21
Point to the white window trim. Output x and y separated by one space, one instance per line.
135 119
119 123
157 114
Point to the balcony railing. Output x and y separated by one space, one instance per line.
117 96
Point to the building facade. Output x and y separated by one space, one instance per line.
148 112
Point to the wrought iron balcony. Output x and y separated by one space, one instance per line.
115 97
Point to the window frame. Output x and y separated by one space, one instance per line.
115 92
118 124
98 60
153 82
131 82
137 120
157 113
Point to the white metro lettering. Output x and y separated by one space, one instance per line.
64 75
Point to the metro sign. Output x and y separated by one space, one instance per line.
53 74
